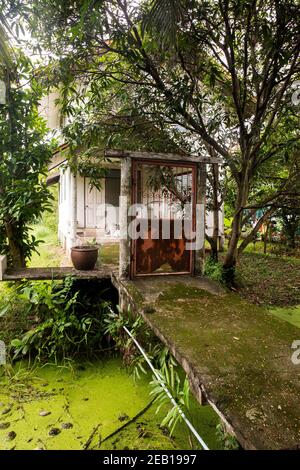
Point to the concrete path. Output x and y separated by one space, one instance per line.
237 355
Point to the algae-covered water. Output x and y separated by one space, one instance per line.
89 406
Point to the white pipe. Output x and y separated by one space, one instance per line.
163 385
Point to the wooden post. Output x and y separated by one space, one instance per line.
125 200
200 217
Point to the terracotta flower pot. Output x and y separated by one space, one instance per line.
84 258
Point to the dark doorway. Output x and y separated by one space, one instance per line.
112 194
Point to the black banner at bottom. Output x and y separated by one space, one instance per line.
135 459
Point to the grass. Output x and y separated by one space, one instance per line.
291 314
269 279
49 253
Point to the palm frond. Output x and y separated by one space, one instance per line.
163 18
5 47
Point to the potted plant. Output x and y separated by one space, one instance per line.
84 257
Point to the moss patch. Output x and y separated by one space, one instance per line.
182 291
242 356
109 253
289 314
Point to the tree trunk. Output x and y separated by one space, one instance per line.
221 243
16 252
215 211
231 255
213 247
252 235
290 229
266 237
232 252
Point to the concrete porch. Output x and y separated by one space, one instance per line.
88 235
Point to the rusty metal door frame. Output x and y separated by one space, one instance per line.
193 167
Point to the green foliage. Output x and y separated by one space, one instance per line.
214 270
138 328
90 168
65 325
179 391
163 18
13 313
209 82
24 156
227 441
290 218
49 219
6 53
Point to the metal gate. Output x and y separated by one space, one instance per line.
163 217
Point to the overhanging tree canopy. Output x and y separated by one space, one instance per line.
224 78
24 154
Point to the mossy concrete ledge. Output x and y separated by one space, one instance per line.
238 356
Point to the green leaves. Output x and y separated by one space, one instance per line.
163 18
25 153
4 310
6 52
178 389
65 328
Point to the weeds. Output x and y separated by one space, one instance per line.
162 360
227 441
65 327
214 270
132 359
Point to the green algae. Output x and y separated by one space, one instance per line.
78 407
146 433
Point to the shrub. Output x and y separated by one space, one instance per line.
65 326
13 313
214 270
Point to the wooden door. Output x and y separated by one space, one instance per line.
95 206
166 194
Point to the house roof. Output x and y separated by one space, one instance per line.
53 179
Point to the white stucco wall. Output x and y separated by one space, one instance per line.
49 110
64 206
80 202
